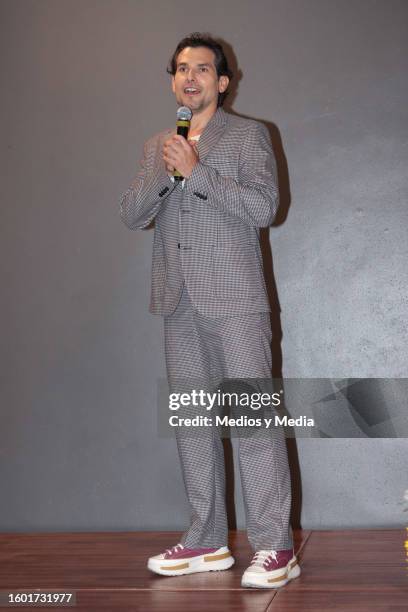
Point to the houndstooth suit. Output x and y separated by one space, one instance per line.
208 283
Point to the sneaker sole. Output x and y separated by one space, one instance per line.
203 563
272 580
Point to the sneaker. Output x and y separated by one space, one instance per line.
179 560
271 569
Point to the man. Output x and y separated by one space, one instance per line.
207 282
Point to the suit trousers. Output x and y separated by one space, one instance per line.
206 351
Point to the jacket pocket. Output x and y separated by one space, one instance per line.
237 271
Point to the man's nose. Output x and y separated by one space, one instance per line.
191 74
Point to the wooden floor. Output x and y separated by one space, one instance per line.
356 571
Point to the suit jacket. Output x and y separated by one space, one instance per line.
207 233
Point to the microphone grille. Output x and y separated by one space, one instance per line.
184 113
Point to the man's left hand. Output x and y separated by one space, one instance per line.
177 152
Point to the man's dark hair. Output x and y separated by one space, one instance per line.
199 39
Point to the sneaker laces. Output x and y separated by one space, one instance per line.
261 557
174 549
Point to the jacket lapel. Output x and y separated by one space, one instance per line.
212 133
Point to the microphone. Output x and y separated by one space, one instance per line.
184 115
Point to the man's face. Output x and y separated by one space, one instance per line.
196 83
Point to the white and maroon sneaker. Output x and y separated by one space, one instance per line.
179 560
271 569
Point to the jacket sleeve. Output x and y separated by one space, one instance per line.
141 202
254 197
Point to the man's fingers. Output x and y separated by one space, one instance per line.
180 141
172 154
171 148
170 166
169 158
176 144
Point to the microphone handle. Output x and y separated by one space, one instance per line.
182 130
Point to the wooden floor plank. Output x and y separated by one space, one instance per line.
162 601
362 560
182 601
338 601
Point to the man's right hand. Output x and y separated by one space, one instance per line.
178 153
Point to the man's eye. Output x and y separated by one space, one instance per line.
204 69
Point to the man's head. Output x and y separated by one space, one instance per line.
200 72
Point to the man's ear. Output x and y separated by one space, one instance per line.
223 82
173 86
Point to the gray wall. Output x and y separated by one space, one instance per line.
83 84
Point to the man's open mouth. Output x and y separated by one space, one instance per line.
191 90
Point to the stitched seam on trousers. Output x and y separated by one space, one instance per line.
274 455
215 487
278 485
212 375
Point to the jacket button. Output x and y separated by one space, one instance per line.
200 195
